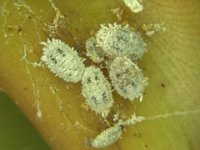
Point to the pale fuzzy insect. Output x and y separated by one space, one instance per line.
113 134
94 52
97 91
62 60
134 5
117 40
108 136
127 78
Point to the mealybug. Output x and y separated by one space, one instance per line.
117 40
62 60
97 91
108 136
127 78
113 134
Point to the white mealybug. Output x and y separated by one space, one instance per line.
62 60
108 136
127 78
94 52
134 5
114 133
97 91
116 40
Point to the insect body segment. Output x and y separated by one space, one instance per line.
97 91
127 78
63 60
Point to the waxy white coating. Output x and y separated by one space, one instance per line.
117 40
62 60
94 52
108 136
134 5
113 134
97 91
127 78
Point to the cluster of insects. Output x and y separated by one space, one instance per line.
118 47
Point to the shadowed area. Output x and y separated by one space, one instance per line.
17 133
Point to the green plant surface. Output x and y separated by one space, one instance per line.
16 131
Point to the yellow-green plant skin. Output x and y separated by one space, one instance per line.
17 132
56 107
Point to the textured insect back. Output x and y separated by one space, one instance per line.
94 52
108 136
113 134
117 40
62 60
127 78
97 91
